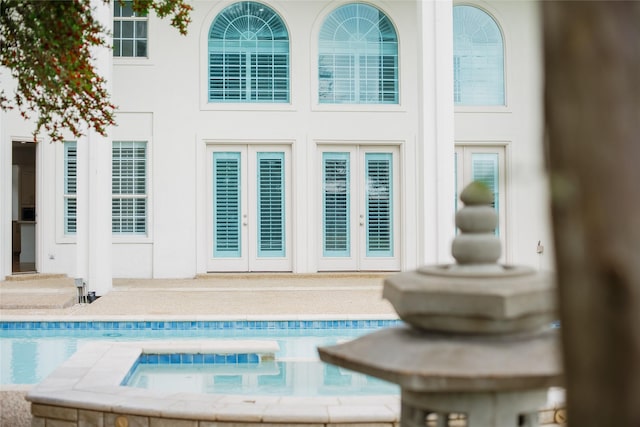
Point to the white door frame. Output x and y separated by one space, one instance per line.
464 167
249 258
357 259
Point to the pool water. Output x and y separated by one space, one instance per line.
278 378
29 351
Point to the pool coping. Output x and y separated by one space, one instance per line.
186 317
90 381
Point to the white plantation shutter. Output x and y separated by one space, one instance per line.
70 186
129 187
270 77
271 220
226 204
378 201
229 84
485 168
335 204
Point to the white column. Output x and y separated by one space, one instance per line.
436 144
6 250
94 258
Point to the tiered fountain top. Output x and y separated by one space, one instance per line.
476 295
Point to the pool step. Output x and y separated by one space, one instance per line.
37 291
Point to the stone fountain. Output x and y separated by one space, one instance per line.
478 339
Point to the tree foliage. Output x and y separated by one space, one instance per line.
47 45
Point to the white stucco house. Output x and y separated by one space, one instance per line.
288 135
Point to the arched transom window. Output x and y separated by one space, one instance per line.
248 55
478 58
358 57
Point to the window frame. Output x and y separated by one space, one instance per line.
483 106
66 194
135 196
463 169
135 20
332 49
354 254
252 51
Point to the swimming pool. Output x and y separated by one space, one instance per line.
87 388
29 351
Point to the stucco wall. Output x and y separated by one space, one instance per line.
518 127
162 100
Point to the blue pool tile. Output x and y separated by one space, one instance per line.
186 358
238 327
231 358
198 358
243 358
219 358
175 358
209 358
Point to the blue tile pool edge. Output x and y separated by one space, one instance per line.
197 358
200 325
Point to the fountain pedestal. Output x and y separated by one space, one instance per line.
479 339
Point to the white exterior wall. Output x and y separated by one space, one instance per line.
163 100
171 87
518 127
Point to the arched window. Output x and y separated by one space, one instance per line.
478 58
358 57
248 55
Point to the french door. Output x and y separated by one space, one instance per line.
359 208
487 165
249 208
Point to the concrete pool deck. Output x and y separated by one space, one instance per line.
330 294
